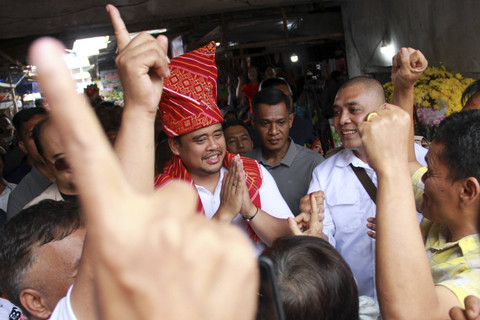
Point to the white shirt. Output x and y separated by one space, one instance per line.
63 309
270 198
347 208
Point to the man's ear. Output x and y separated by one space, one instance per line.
174 146
470 190
21 145
291 116
34 302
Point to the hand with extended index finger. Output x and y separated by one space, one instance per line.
142 64
309 223
158 271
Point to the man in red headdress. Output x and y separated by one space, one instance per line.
230 188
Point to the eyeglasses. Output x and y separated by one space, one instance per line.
60 164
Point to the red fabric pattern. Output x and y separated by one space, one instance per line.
189 99
253 176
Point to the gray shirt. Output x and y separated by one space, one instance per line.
293 173
29 188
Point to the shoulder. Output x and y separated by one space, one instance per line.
332 161
51 192
310 154
253 154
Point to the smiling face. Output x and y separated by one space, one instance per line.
440 197
351 105
273 123
202 150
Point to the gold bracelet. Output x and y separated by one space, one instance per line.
250 219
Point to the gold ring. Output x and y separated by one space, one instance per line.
370 116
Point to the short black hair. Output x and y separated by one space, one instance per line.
23 116
232 123
37 225
459 133
270 96
373 85
469 92
314 281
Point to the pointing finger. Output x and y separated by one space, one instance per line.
121 32
313 202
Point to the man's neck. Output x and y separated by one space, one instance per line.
274 157
463 227
360 154
208 181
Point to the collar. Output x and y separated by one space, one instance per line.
219 182
287 159
346 156
466 244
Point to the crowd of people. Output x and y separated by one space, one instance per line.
162 207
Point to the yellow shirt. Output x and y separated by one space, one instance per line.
455 265
418 187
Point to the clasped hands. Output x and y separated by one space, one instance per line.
234 196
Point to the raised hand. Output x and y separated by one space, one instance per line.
142 63
385 138
408 66
146 244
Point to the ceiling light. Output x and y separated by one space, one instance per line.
294 58
387 50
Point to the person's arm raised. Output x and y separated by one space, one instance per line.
144 264
142 64
407 67
402 268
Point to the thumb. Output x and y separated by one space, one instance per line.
404 58
294 227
